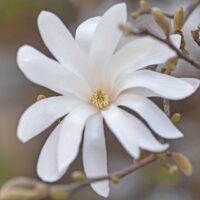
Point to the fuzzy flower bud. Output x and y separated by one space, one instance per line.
176 118
125 28
170 65
57 194
115 179
135 14
183 163
178 19
23 189
78 176
144 6
162 21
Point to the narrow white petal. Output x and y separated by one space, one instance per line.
141 92
42 114
118 124
95 155
164 85
149 93
152 114
47 167
85 33
107 34
146 139
61 43
193 82
71 135
48 73
140 53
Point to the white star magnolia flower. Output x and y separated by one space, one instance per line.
94 78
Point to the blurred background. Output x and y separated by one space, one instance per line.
17 27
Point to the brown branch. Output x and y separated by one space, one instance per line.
145 32
120 174
148 12
166 107
27 188
196 36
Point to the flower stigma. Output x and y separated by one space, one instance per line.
99 99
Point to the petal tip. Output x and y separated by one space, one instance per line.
22 54
44 13
176 40
43 17
177 136
43 177
137 155
104 192
120 7
163 147
21 137
61 165
20 133
196 84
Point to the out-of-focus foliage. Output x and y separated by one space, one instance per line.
24 6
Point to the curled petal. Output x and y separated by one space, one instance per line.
107 34
164 85
47 167
118 124
85 33
153 115
71 135
61 43
139 54
49 73
42 114
146 139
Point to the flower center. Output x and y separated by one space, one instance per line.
99 99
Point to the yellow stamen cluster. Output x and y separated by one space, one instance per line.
99 99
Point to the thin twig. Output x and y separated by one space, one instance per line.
148 12
71 188
166 107
145 32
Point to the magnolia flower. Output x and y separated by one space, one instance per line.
96 81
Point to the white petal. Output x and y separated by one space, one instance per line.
140 53
152 114
107 35
47 167
85 33
48 73
164 85
141 92
42 114
95 155
146 139
149 93
71 135
147 51
193 82
118 124
61 43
